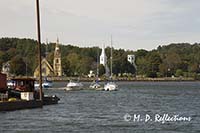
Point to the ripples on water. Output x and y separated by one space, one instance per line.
99 111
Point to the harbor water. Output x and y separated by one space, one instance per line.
133 108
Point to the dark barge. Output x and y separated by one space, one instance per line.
21 104
22 95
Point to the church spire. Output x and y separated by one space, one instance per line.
57 49
57 42
103 57
57 60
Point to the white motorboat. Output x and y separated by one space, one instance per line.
47 84
110 86
74 86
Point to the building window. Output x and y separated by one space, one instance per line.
57 60
44 70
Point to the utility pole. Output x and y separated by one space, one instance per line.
39 48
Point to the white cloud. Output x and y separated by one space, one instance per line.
133 23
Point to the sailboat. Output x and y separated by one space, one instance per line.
95 84
111 85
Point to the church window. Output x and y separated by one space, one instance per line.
44 70
57 61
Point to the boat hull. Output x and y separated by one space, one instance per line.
74 86
49 100
77 88
111 86
96 86
22 104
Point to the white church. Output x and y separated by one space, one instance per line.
103 57
103 60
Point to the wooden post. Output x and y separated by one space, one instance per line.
39 48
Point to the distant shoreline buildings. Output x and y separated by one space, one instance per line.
131 59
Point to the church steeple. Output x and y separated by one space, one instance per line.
57 42
103 57
57 60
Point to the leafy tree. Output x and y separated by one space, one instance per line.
179 73
141 63
74 60
141 53
166 60
84 66
66 66
153 63
173 60
17 66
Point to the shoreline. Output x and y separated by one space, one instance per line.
61 79
124 79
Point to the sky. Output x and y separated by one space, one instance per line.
133 24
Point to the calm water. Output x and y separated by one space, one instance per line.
99 111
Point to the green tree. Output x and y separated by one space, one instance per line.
141 61
17 66
142 67
173 60
84 66
66 66
179 73
154 61
74 60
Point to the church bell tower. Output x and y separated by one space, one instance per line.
57 60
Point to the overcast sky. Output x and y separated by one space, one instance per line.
134 24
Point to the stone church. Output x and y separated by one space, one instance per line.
47 69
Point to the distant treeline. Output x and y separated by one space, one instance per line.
182 59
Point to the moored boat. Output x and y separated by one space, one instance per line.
96 86
74 86
22 95
110 86
46 84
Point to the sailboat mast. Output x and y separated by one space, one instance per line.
97 63
46 48
111 59
39 48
